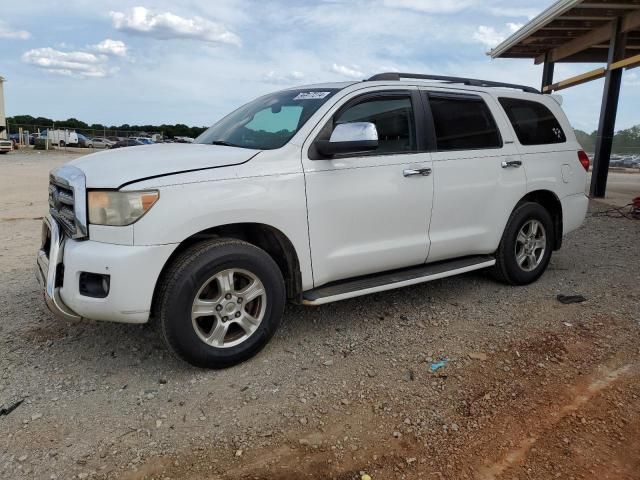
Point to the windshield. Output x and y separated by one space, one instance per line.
268 122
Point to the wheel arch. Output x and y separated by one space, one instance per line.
552 204
268 238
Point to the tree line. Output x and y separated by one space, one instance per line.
624 141
27 121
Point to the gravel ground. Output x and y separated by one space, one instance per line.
530 388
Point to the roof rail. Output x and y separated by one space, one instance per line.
466 81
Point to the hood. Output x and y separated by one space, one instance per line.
113 168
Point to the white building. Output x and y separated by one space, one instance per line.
3 119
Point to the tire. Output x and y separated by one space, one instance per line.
520 261
199 273
61 144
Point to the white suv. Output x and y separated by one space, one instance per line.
312 195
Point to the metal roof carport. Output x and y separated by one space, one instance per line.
584 31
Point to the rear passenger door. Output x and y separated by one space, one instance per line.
478 174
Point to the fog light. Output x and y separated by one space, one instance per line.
94 285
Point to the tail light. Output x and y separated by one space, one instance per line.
584 159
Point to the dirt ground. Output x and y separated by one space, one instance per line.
529 388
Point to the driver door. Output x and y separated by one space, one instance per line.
369 212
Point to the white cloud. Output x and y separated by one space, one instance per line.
81 64
347 71
288 77
432 6
110 47
490 37
631 79
514 27
166 25
8 32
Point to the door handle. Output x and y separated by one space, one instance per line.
412 172
511 163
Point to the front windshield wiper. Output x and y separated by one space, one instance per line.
223 143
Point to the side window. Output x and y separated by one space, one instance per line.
393 118
533 122
463 123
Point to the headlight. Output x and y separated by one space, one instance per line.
119 208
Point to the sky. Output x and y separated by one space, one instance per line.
153 62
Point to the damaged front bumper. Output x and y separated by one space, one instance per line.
49 268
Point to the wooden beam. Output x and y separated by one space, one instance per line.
598 35
631 21
597 12
630 62
602 4
577 80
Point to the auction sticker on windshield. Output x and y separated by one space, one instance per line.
311 95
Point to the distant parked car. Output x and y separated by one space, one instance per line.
129 142
6 146
100 142
83 141
145 140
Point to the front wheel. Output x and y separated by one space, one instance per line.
525 249
220 303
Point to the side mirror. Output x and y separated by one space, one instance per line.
350 138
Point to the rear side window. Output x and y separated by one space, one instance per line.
533 122
463 123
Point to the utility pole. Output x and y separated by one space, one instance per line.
3 118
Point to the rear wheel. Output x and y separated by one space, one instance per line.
220 303
525 249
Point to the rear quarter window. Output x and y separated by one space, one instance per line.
533 122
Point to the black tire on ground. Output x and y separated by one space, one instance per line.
507 269
4 152
61 143
184 279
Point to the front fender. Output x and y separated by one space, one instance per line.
186 209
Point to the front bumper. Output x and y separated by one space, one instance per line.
49 259
133 271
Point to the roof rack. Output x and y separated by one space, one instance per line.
466 81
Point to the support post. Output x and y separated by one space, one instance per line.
547 72
608 110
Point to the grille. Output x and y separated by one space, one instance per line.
62 208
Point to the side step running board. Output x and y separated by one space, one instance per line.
395 279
